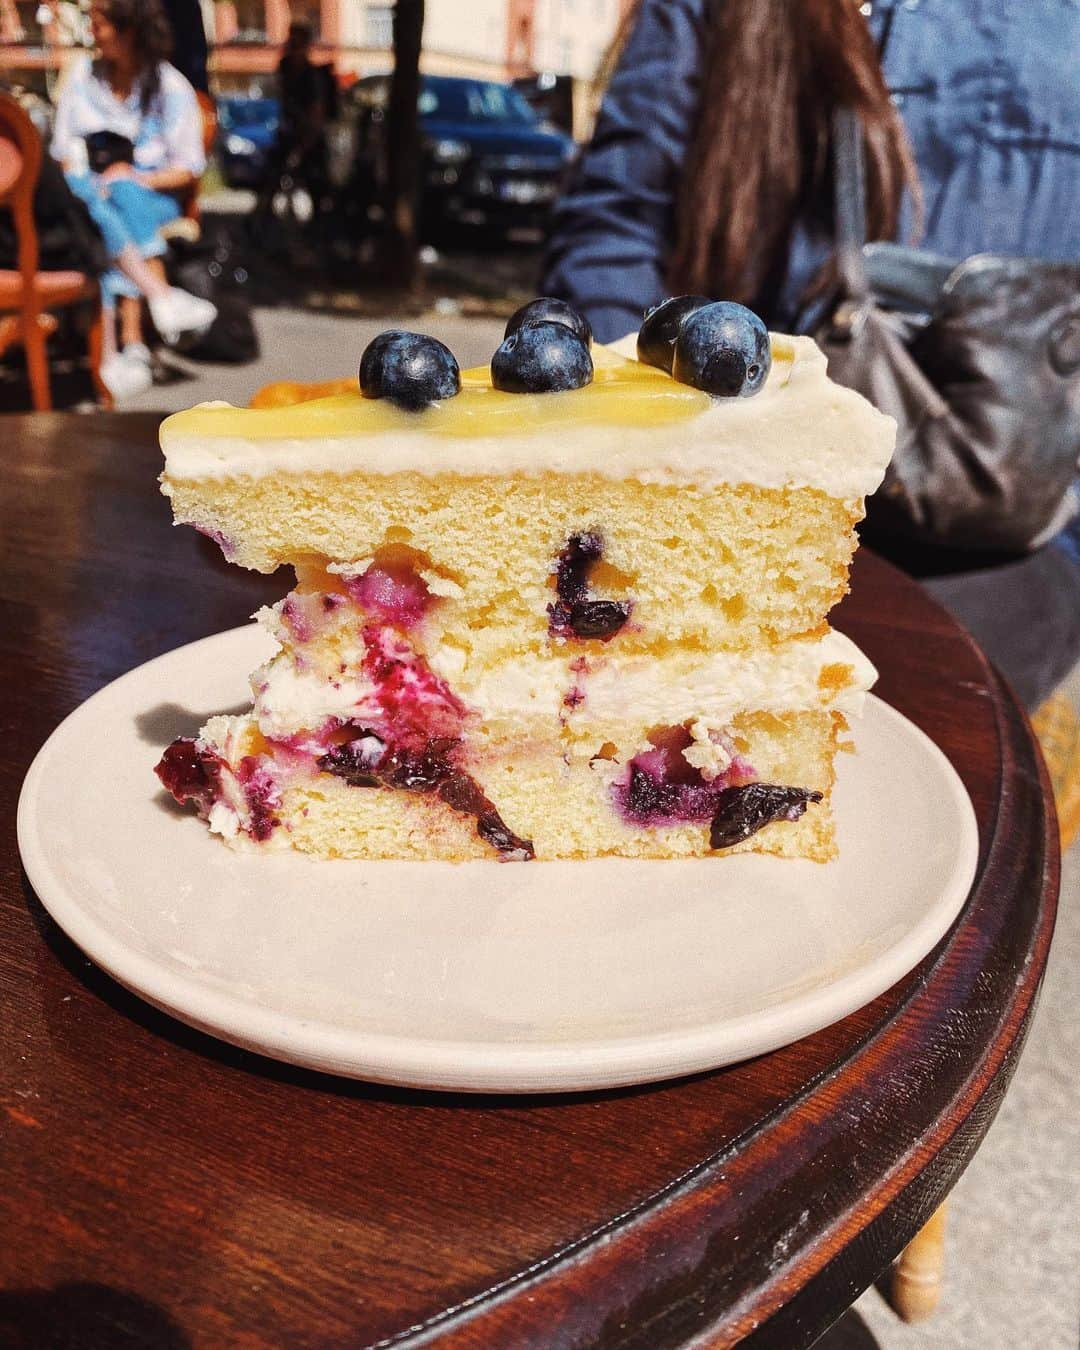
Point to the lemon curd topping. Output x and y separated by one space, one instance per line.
622 392
632 422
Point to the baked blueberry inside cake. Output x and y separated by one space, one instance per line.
572 605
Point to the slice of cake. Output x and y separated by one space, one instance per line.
569 606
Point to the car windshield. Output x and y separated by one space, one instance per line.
474 101
249 112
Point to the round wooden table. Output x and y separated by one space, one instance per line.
162 1185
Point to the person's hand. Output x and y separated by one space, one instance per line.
115 171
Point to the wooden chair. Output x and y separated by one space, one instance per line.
28 296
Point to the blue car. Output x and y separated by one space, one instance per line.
247 130
488 158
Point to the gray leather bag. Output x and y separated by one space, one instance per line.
979 363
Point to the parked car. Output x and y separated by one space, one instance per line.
488 158
550 96
247 130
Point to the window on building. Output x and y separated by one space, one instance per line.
250 21
27 27
523 41
379 26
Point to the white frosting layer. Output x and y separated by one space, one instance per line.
288 700
677 688
713 688
802 430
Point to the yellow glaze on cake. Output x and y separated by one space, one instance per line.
623 393
632 422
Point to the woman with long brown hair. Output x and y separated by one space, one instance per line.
129 135
710 169
711 172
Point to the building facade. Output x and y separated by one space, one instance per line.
490 39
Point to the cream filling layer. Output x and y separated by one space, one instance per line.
678 687
796 676
229 816
802 430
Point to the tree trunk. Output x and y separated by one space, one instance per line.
403 147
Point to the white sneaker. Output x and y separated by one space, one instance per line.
125 377
178 312
139 351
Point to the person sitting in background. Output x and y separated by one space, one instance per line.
710 172
129 135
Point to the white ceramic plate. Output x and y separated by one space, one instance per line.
480 976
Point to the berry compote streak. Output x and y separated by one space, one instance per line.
406 730
577 612
661 788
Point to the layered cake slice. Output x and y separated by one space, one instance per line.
565 606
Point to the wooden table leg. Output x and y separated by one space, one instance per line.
917 1276
1057 725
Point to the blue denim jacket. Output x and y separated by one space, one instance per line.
988 91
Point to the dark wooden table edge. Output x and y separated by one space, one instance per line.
781 1314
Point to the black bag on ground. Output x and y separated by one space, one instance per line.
979 363
210 270
232 337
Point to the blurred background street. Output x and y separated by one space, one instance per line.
311 320
313 326
379 216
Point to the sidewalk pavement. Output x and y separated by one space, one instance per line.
299 345
1012 1246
